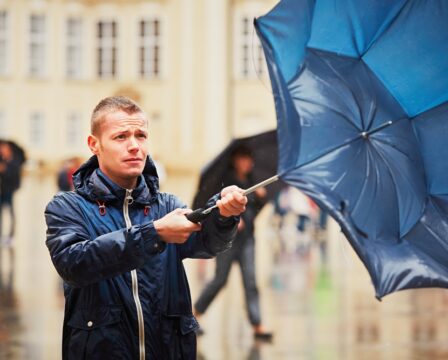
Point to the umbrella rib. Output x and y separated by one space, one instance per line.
390 173
329 108
343 81
373 106
433 233
392 145
321 81
344 175
326 106
389 168
358 198
406 178
378 35
294 167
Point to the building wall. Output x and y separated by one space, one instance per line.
196 105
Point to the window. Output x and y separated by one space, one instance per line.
37 45
37 129
249 58
74 133
107 49
74 48
149 48
3 42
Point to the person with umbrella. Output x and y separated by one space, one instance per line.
243 248
119 243
10 175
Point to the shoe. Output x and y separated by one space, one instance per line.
263 336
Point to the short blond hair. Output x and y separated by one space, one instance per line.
109 104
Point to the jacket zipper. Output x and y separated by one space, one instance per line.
141 324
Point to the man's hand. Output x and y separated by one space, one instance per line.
232 202
174 227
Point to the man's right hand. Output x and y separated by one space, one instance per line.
174 227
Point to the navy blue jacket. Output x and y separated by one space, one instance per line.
112 310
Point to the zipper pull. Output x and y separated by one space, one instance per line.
129 199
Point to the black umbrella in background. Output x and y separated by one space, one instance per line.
265 155
17 150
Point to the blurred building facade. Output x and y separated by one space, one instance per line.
195 66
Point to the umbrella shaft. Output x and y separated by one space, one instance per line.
261 184
248 191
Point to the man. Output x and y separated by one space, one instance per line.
118 243
243 249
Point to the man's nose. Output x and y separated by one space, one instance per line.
133 144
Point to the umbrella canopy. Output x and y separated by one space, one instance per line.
18 151
264 149
361 91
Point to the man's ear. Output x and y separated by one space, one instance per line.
94 144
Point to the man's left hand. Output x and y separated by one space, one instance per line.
232 202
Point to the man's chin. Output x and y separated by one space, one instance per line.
134 173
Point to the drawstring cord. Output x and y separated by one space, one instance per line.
101 207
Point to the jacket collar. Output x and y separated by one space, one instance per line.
90 182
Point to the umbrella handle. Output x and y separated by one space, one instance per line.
197 216
200 214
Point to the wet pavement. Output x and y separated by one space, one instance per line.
317 309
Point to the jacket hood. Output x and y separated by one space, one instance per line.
90 182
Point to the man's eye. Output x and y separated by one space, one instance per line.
120 137
143 136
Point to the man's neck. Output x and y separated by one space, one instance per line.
129 184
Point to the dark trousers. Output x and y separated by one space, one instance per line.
6 200
243 251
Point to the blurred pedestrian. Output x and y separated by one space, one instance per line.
321 235
243 248
304 209
119 243
10 179
65 174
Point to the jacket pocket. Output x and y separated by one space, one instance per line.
187 324
96 334
179 338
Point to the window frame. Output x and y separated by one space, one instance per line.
39 129
74 31
37 46
4 43
73 129
249 62
150 47
107 48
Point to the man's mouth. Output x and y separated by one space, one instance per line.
133 160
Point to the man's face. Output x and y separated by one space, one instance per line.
121 147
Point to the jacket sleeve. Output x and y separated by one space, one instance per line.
81 260
216 235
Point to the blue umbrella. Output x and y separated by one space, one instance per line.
361 91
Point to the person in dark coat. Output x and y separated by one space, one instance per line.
243 248
118 243
10 179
